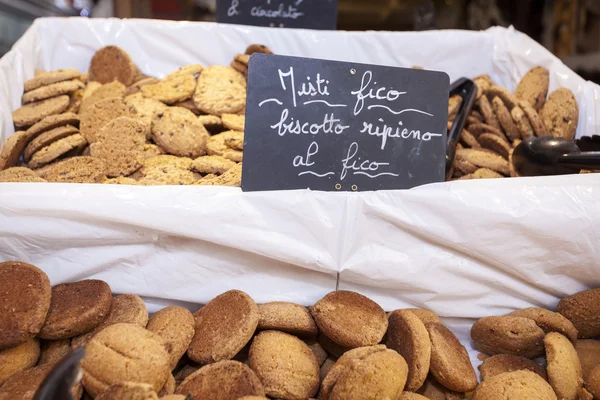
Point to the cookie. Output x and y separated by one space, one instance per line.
212 123
239 67
508 99
179 397
549 321
223 327
326 367
464 167
522 123
234 155
412 396
101 113
287 317
121 180
500 363
53 90
234 122
332 348
24 384
52 351
126 308
232 177
583 310
508 335
319 352
76 308
52 122
561 114
124 353
192 69
468 139
46 139
505 119
98 93
171 90
425 316
120 144
137 86
484 159
152 150
480 128
112 63
31 113
189 105
589 355
564 368
178 132
82 169
11 150
19 174
46 155
450 363
592 384
24 299
407 335
176 326
432 390
16 359
258 48
216 145
165 159
533 87
488 114
285 365
146 110
494 143
536 122
50 77
184 372
168 387
350 319
220 90
483 173
514 385
212 165
128 391
483 83
168 175
91 87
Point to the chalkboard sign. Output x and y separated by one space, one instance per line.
309 14
329 125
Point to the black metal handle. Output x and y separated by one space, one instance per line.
586 160
57 385
467 90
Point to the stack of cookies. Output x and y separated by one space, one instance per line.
501 119
116 125
343 347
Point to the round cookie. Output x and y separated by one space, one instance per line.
112 63
19 358
181 397
46 139
212 165
318 350
432 390
536 122
95 93
146 110
217 144
500 363
222 380
332 348
233 122
285 365
350 319
494 143
52 122
81 169
488 114
583 310
171 90
176 326
522 123
407 335
120 144
52 351
561 114
505 119
287 317
233 177
11 149
450 362
24 302
588 351
564 368
481 128
52 90
507 98
223 327
220 90
192 69
178 131
24 384
233 155
19 174
533 87
124 353
235 143
31 113
137 86
549 321
484 159
168 175
508 335
104 111
412 396
592 383
128 391
426 316
49 77
514 385
76 308
258 48
75 142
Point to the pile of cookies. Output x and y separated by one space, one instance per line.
501 119
343 347
116 125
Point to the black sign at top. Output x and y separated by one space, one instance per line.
329 125
308 14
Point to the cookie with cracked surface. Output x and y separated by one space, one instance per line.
178 131
72 143
561 114
583 310
101 113
508 335
220 90
53 90
30 113
172 90
500 363
533 87
112 63
549 321
46 78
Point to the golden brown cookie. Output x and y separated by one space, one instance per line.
463 166
239 67
508 99
501 363
223 327
46 139
407 335
24 302
146 110
34 112
561 114
589 355
522 123
332 348
11 150
178 131
285 365
121 180
508 335
425 316
583 394
46 78
176 326
287 317
53 90
101 113
233 122
488 114
494 143
83 169
171 90
91 87
505 119
432 390
318 350
232 177
217 144
124 353
535 120
483 83
220 90
583 310
412 396
52 351
96 94
120 144
484 159
19 174
181 397
137 86
350 319
189 105
128 391
514 385
51 122
168 175
564 367
482 173
24 384
533 87
258 48
549 321
76 308
192 69
112 63
450 363
16 359
454 103
467 139
592 383
480 128
212 165
235 143
74 142
168 387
